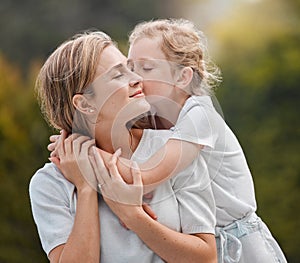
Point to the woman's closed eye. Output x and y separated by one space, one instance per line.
117 75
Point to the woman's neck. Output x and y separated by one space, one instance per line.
114 136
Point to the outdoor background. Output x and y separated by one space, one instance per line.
255 43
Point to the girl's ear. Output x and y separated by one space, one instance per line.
185 77
81 104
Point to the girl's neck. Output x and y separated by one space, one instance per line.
167 111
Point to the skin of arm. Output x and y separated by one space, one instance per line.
83 244
169 160
172 158
170 245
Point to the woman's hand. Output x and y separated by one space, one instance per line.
72 158
124 199
112 184
53 143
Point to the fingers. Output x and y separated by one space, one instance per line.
112 166
136 174
52 147
54 138
60 143
149 211
70 143
81 143
99 167
55 160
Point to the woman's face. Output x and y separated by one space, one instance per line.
118 91
148 60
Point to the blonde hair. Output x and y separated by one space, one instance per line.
184 44
70 69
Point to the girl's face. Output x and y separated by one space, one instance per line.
146 58
118 92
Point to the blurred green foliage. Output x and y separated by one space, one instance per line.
257 49
259 55
22 133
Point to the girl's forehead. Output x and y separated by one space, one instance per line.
146 48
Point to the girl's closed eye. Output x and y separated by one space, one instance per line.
145 68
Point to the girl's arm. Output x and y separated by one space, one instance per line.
83 244
170 245
169 160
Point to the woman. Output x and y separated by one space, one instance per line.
86 87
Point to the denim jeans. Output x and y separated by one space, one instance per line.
247 240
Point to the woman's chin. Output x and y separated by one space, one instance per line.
132 110
143 104
139 106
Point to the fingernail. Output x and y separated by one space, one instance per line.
118 152
50 159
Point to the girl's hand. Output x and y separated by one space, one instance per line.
73 161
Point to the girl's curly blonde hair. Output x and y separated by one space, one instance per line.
184 44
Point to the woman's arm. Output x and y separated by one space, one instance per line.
83 244
170 245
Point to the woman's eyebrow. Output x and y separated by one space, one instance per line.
118 66
114 68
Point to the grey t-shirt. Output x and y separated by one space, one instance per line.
184 203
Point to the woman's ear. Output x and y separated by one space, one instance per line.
185 77
81 104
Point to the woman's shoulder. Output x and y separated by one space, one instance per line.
46 173
48 178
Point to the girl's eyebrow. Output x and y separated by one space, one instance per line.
130 60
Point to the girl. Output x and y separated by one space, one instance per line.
241 235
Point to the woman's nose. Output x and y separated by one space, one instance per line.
135 80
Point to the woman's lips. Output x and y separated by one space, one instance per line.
137 94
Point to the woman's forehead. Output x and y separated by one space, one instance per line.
109 58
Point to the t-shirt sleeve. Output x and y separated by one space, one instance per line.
195 199
51 210
195 125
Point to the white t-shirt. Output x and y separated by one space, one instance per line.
232 183
178 203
